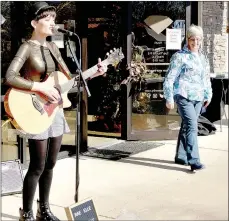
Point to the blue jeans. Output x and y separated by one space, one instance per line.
187 145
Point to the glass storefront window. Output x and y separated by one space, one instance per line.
149 112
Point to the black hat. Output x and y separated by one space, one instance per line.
37 7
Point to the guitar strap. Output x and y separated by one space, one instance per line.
61 66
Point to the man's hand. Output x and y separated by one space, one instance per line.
170 105
101 69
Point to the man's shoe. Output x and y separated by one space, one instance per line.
197 167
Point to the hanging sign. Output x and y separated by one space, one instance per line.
173 39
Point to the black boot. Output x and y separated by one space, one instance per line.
26 216
44 213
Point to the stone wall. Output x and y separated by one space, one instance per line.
214 23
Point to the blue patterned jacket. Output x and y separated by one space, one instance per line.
188 75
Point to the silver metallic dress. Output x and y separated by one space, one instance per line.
33 63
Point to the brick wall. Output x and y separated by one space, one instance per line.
214 22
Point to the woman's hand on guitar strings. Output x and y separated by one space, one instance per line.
50 92
101 69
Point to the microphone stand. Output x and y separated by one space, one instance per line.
77 134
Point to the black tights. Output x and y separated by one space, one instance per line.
43 156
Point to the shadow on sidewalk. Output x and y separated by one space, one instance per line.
7 217
152 160
224 122
120 150
136 161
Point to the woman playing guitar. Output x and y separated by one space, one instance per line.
35 61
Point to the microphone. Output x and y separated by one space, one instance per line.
69 33
64 31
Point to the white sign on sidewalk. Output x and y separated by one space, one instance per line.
58 38
173 39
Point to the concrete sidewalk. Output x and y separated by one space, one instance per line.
145 186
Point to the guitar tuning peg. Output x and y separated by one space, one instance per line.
115 49
107 54
111 51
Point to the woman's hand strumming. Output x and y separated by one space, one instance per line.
49 91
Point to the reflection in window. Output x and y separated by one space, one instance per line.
149 112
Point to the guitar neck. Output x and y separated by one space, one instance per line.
86 74
91 71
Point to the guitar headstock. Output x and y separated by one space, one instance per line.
114 56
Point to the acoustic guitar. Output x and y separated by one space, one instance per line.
32 113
